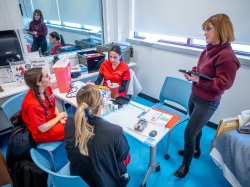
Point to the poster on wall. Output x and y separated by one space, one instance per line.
6 75
18 69
40 62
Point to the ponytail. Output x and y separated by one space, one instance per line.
83 131
62 40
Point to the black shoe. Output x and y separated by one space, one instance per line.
197 153
182 171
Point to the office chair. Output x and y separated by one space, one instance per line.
175 92
13 105
55 152
57 180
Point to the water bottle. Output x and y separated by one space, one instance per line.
56 58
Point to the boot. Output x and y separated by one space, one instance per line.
197 153
182 171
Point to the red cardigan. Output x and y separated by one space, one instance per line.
220 63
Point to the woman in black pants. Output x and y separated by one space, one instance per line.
219 62
38 30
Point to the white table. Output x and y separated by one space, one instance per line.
120 117
127 118
14 88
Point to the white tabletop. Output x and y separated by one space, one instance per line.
14 88
126 117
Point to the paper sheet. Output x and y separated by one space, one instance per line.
127 117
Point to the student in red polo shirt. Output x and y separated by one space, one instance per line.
57 41
114 70
39 111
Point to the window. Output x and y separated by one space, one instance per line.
74 25
189 42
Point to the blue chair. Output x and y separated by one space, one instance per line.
13 105
55 152
175 92
51 149
57 179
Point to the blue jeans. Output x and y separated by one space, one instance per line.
200 112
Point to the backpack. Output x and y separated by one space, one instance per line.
21 141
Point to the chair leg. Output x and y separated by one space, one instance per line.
167 146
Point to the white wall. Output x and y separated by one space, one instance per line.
153 65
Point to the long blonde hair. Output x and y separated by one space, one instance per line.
89 100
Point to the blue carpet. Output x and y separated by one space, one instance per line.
203 171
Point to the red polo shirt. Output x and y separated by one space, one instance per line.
53 50
117 75
34 115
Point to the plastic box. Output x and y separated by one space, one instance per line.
87 43
63 74
91 59
127 50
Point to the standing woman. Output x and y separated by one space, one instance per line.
39 111
114 70
97 150
219 62
57 41
38 30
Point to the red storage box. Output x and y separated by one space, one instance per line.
63 74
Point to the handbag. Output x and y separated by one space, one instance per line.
21 141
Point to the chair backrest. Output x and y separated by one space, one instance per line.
13 105
58 180
133 87
176 90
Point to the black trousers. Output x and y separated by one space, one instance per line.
39 44
200 112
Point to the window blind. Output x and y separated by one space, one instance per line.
184 18
87 12
48 8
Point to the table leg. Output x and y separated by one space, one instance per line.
153 166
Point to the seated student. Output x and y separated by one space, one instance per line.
114 70
57 41
39 111
97 150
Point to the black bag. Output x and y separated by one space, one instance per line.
21 141
27 174
244 129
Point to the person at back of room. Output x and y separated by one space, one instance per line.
39 31
39 111
219 62
57 41
114 70
97 150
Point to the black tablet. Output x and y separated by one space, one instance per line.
184 71
203 76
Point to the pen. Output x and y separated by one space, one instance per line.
142 114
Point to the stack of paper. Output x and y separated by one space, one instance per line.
157 117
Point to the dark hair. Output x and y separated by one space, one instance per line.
37 11
117 49
58 37
32 77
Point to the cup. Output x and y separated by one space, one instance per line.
114 88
